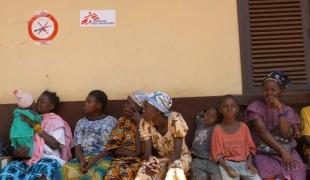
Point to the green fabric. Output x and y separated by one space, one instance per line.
21 133
24 142
72 169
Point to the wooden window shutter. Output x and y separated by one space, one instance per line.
274 35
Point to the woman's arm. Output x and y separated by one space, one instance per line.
147 149
178 142
123 152
49 140
265 135
285 127
138 141
79 153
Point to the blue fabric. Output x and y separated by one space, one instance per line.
280 77
92 135
160 101
19 170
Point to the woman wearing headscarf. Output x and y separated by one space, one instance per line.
163 131
124 143
274 127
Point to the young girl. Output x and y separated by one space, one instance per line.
232 145
90 136
202 166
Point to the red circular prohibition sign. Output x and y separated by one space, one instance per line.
42 27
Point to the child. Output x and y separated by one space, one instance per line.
232 145
203 167
90 136
21 134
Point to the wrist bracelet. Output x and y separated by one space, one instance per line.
39 132
36 127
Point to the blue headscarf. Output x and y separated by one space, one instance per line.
160 101
139 97
280 77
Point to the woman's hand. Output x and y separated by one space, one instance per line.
28 121
83 164
134 115
21 152
90 163
152 167
288 161
273 101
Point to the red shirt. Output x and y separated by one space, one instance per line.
232 146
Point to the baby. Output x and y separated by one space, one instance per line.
21 134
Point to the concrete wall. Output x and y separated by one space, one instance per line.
186 48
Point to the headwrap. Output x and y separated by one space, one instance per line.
24 100
139 97
280 77
160 101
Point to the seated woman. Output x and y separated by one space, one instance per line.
124 143
274 127
53 141
90 136
164 132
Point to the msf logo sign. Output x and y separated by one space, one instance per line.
91 18
97 18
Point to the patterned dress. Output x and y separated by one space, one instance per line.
124 136
271 165
92 135
305 131
164 144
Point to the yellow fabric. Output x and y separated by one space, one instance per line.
164 144
305 121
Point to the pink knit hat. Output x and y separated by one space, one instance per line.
24 100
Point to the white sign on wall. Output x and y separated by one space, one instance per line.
97 18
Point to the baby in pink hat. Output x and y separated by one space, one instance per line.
21 134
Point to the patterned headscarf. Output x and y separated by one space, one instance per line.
139 97
280 77
160 101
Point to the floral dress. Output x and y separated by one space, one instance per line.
123 136
164 144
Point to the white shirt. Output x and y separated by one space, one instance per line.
59 135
